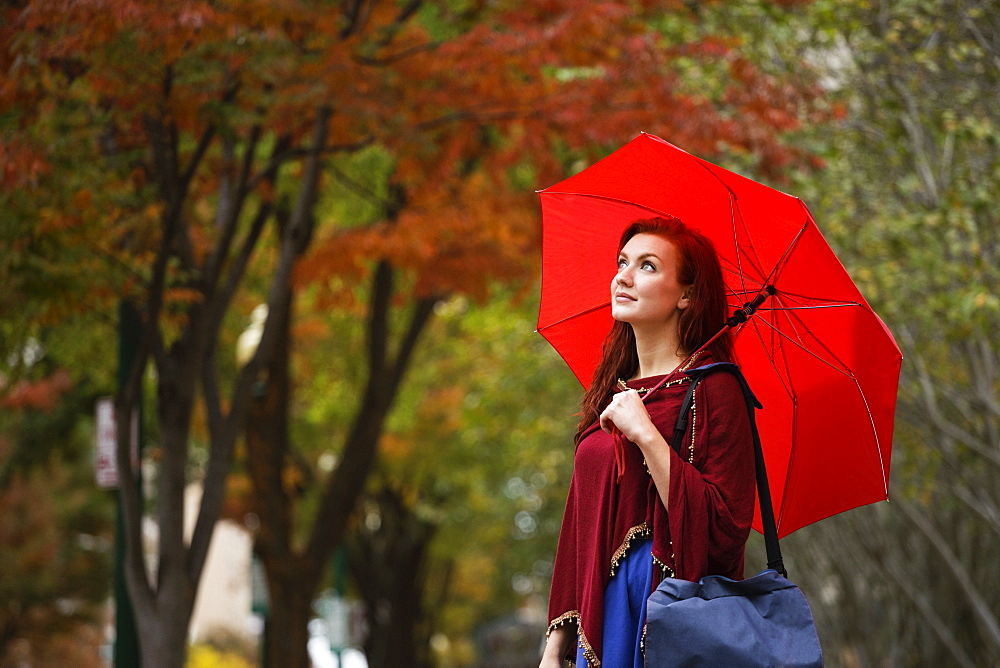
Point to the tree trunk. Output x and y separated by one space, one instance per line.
163 639
388 560
295 574
291 590
291 584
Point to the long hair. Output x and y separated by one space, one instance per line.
698 267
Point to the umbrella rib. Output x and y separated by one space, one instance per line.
575 315
802 346
608 199
771 359
734 213
739 271
878 444
800 298
789 390
807 308
733 209
849 374
783 260
789 315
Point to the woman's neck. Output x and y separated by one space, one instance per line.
658 352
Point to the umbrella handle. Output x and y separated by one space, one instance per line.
741 315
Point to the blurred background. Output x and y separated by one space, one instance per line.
269 389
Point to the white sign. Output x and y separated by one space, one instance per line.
105 443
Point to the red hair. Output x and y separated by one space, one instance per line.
697 266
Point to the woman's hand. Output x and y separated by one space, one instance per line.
556 647
550 662
627 412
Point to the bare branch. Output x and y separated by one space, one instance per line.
951 563
983 507
904 584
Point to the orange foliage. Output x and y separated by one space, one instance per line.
558 72
21 163
453 239
38 395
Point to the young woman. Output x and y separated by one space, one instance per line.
636 511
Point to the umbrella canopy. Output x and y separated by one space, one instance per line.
821 361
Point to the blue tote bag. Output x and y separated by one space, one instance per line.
761 621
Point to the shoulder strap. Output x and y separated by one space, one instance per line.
774 559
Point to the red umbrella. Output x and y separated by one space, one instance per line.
821 361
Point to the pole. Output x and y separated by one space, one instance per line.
126 650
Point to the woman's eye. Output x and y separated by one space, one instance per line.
648 265
621 262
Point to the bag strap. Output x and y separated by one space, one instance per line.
774 559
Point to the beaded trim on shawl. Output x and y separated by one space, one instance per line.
636 532
694 424
622 385
667 570
573 615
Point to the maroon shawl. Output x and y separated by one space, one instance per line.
702 531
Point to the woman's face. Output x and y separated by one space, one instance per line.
645 291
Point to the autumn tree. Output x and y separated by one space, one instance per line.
176 156
55 543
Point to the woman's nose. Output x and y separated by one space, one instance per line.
623 277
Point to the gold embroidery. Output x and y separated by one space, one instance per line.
622 385
694 422
688 364
641 531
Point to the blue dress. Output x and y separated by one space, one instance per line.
625 609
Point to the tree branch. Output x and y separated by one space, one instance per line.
221 299
360 449
293 243
895 570
207 135
352 14
422 312
378 320
982 611
233 208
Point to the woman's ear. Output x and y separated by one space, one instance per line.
685 299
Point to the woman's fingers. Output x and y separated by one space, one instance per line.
624 408
627 414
